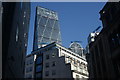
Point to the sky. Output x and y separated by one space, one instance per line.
76 20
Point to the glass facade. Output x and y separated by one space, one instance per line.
47 28
76 47
39 60
38 68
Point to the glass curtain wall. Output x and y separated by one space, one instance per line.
47 28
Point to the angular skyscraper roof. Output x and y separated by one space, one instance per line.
47 28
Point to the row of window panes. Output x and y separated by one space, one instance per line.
29 62
70 59
28 69
81 65
47 73
48 57
53 64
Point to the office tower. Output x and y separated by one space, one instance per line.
55 62
1 10
105 50
15 26
47 28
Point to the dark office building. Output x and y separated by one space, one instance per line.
47 28
105 50
15 26
1 10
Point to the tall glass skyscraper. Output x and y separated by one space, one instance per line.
47 28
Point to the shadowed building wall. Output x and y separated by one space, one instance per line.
105 50
15 20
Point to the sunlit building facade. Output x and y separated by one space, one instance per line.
47 28
56 62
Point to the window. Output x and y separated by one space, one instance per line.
43 21
53 63
77 77
53 72
21 4
81 65
38 68
25 34
38 75
47 73
29 76
86 67
24 14
23 23
28 69
39 60
69 60
53 54
75 62
39 46
62 54
83 78
17 34
27 62
47 65
31 61
25 45
47 57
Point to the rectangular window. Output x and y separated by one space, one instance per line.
47 57
75 62
47 65
29 69
31 61
27 62
17 31
69 60
53 63
38 68
38 75
53 54
47 73
77 77
28 76
53 72
39 60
